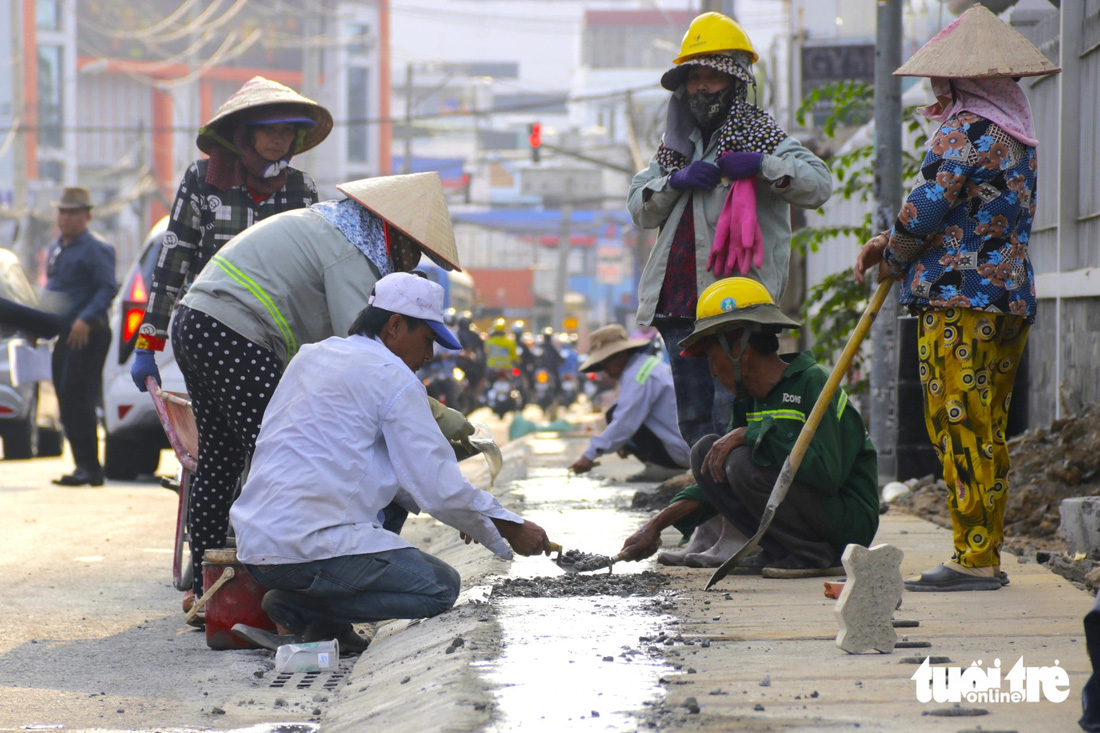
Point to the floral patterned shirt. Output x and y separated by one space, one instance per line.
962 235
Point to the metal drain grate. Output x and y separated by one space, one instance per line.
310 680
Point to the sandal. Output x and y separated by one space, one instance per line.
199 621
943 578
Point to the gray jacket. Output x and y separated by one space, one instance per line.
790 175
291 279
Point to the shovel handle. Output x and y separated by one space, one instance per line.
826 396
225 577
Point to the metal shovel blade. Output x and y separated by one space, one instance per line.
794 460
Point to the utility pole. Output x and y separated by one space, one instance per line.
1071 44
887 190
406 164
562 283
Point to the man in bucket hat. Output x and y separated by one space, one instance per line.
348 446
642 423
81 277
834 498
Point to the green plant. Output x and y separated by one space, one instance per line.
833 307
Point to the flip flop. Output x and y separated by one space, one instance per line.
943 578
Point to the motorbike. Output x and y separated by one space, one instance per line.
445 382
569 390
545 392
503 395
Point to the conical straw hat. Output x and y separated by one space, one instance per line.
977 45
261 92
413 203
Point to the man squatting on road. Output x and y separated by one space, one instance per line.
348 446
833 501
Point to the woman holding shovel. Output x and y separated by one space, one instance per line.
960 248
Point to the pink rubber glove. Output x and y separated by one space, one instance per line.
719 249
749 241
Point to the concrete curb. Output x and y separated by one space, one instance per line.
436 659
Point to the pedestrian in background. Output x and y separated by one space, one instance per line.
714 138
247 178
960 246
81 275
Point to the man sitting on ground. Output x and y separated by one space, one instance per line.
348 446
833 500
642 423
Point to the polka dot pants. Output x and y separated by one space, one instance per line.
230 381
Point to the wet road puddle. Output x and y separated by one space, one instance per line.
579 513
574 660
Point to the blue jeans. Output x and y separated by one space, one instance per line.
330 595
703 405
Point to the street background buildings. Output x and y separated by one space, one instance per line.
109 94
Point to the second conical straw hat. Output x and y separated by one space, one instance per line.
977 45
413 203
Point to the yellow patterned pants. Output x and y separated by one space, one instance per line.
968 361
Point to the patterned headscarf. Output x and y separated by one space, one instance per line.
361 227
1001 101
747 128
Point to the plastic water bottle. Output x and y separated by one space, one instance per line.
316 656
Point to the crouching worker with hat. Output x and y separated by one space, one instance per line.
642 423
834 498
348 434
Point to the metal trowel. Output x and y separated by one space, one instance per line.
575 561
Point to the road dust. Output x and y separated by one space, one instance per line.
646 583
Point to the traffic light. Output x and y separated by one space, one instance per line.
534 140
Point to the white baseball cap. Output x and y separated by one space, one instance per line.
416 297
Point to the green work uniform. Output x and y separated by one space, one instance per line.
840 462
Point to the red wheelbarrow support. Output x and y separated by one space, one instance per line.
174 411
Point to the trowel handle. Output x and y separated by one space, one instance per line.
555 547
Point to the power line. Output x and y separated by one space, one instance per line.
540 104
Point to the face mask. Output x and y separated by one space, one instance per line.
710 109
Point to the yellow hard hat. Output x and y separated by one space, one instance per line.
500 325
714 33
734 302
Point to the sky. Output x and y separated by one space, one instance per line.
542 35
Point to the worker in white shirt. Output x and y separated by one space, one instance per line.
642 423
348 445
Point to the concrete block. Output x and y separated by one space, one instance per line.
1080 525
872 592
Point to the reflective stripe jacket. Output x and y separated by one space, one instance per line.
203 220
840 463
290 280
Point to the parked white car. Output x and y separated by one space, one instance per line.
29 422
135 437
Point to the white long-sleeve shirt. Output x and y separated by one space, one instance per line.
646 397
347 431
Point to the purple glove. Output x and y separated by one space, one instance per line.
699 174
736 166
